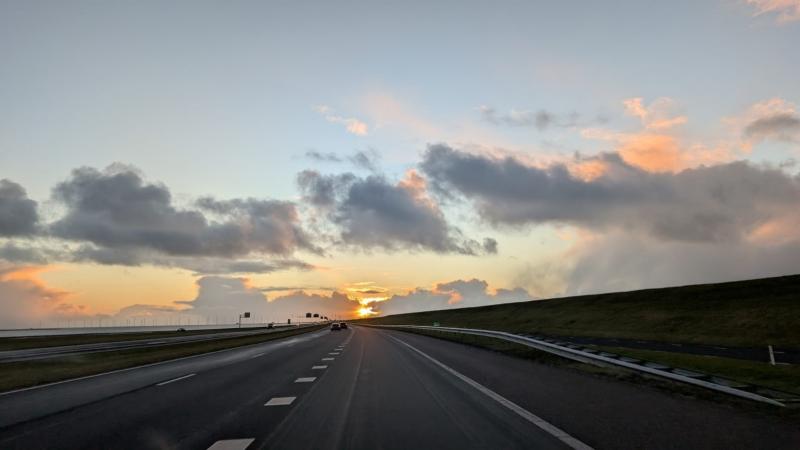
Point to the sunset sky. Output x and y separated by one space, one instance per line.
200 159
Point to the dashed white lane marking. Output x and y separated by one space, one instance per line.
319 367
522 412
334 353
280 401
176 379
305 380
257 355
328 359
232 444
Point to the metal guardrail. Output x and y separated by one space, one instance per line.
608 359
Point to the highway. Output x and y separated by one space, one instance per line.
71 350
366 388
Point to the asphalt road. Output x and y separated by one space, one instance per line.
782 355
71 350
371 389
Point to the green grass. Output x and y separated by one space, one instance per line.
26 342
780 377
31 373
741 313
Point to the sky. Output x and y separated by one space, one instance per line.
195 160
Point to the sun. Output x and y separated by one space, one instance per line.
365 311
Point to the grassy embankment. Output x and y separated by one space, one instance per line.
752 313
16 375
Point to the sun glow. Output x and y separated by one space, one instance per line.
365 311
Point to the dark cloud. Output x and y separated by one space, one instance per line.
323 157
781 126
718 203
371 212
454 294
541 119
128 221
367 160
18 215
23 254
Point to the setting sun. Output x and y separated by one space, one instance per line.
365 311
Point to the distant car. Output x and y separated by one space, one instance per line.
269 326
181 329
343 326
335 327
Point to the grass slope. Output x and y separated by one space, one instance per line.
742 313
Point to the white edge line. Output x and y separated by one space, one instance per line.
258 354
522 412
176 379
40 386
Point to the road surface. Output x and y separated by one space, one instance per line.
29 354
369 388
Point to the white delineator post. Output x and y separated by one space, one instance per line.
771 355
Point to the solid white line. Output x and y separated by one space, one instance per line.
305 380
522 412
232 444
258 354
319 367
280 401
176 379
328 359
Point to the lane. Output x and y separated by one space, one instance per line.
382 389
381 394
74 350
607 413
190 412
25 404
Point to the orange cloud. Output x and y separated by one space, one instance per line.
784 10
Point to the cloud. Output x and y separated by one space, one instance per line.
541 119
226 297
367 160
18 214
658 115
774 119
26 301
454 294
656 147
784 10
726 202
118 218
620 261
352 125
371 212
